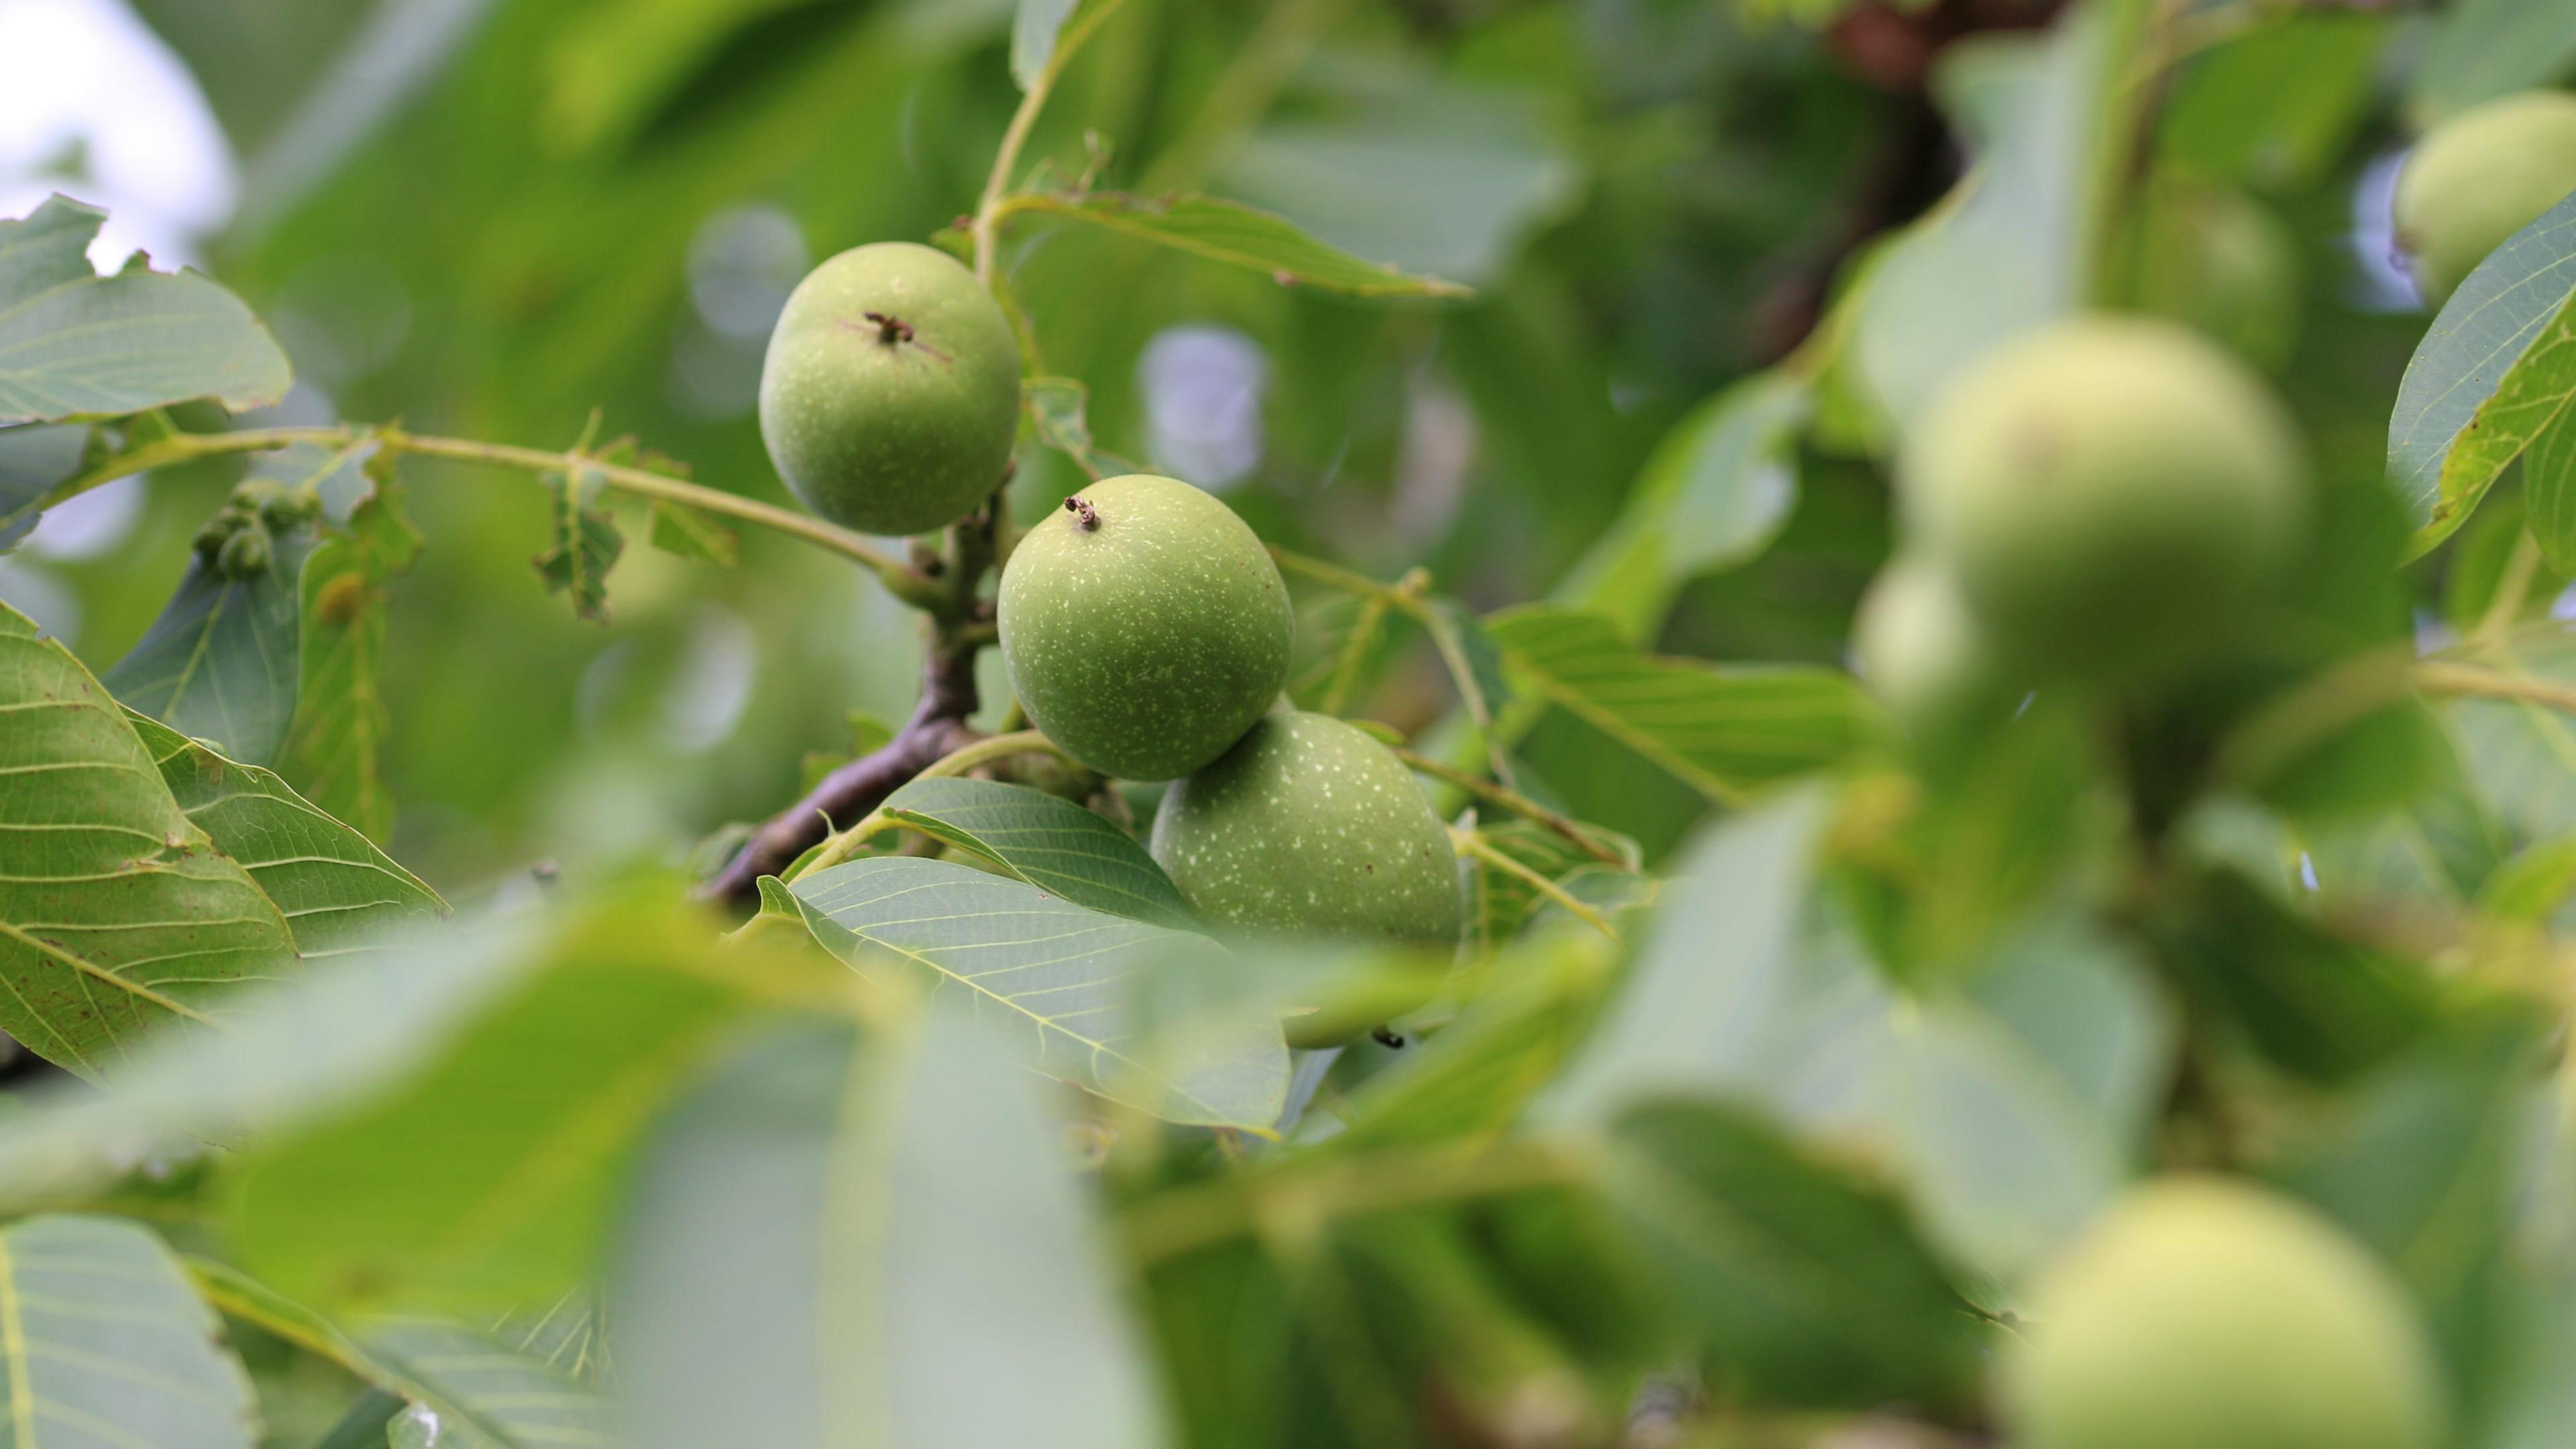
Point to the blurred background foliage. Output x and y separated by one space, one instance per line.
492 217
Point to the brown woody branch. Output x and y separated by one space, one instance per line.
961 625
937 726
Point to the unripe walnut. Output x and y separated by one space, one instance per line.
1921 651
2109 493
1144 627
2214 1315
2479 177
1309 827
891 394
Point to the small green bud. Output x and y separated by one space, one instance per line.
245 554
290 510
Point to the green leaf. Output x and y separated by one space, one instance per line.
501 1390
612 74
1500 902
2530 888
2049 118
485 1180
32 461
2493 369
474 1390
1039 27
342 475
2535 1393
117 913
1411 165
1051 971
77 346
2530 407
1800 1286
340 895
338 736
585 546
847 1248
1048 841
2549 477
2515 754
2011 1112
365 1426
2279 104
1058 409
108 1344
223 662
303 1047
2436 851
1474 662
1704 991
1477 1074
1342 641
2426 1163
2010 1109
1238 235
692 533
1725 729
2314 1003
1717 490
2482 49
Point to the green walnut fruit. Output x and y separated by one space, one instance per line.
1144 626
1308 827
1922 652
2110 494
2478 178
891 394
2214 1315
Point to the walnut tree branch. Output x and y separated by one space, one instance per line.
960 624
937 726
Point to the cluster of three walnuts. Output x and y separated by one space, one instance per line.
1145 628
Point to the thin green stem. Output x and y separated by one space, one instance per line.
1335 576
897 577
2310 711
2512 589
844 844
1186 1220
985 228
1514 801
187 447
1353 654
1470 843
2473 681
1411 596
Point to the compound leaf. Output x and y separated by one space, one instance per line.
77 346
1803 1287
338 735
1724 729
224 660
338 892
1240 236
1048 841
108 1343
826 1234
1052 972
117 912
2495 368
